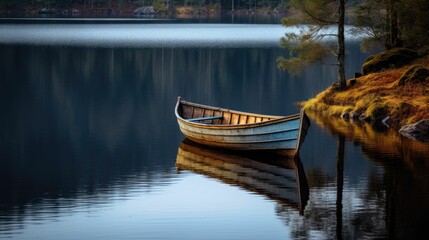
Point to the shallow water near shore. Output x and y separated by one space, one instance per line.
89 144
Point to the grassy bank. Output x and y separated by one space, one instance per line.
398 96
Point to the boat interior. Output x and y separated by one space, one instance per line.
211 115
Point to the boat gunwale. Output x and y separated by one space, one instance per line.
245 135
256 141
277 119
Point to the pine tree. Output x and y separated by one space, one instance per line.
310 45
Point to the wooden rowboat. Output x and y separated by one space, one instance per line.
219 127
282 180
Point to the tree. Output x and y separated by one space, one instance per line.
393 23
158 5
413 24
310 45
377 21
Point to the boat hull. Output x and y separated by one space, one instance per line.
277 133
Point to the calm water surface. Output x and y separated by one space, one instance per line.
90 149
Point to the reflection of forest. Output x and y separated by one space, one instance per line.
379 145
400 195
79 123
84 122
72 133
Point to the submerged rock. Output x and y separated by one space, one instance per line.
418 131
387 121
345 116
364 118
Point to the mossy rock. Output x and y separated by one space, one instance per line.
414 74
393 58
376 111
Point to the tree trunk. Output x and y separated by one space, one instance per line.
392 24
341 46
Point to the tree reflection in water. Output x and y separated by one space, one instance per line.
394 204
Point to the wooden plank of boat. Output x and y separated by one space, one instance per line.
237 130
278 178
204 118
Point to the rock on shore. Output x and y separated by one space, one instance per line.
418 131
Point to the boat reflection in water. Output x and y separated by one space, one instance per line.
279 178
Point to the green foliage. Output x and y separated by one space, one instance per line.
415 73
392 58
303 51
413 19
393 23
158 5
371 19
319 12
308 46
287 22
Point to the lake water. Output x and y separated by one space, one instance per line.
90 147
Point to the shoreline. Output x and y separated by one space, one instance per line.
380 100
72 20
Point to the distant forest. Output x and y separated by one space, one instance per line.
158 4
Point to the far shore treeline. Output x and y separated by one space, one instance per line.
161 6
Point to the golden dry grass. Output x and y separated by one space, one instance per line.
377 92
